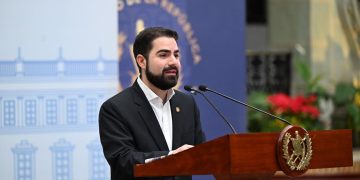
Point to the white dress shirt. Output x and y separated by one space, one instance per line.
161 110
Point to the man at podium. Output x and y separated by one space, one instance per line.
149 120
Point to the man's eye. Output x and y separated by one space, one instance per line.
162 54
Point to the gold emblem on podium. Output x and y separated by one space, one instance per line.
294 150
300 155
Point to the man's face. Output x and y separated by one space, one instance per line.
163 64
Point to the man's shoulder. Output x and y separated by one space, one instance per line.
121 97
183 96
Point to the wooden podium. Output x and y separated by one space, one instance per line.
249 156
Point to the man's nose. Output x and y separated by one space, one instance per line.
173 60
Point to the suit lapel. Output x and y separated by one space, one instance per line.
176 121
148 116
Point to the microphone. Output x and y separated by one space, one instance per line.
204 88
193 90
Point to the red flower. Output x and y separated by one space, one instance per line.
299 105
311 99
280 102
311 111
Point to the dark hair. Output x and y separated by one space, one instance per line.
143 41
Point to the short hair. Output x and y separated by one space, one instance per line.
143 41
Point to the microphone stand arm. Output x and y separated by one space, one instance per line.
247 105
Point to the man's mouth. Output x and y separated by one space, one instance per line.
171 71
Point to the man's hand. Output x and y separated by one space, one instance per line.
182 148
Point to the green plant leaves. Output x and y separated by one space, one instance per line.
344 93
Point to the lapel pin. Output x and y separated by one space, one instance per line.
177 109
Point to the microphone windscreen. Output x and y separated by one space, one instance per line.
188 88
203 88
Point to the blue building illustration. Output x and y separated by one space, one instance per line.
24 160
49 117
62 160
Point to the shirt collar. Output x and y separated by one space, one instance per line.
150 95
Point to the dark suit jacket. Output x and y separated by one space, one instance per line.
130 132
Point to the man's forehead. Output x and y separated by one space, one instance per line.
167 51
164 44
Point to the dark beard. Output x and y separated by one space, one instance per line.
161 81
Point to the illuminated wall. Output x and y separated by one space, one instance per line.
58 63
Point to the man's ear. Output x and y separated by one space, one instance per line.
140 59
